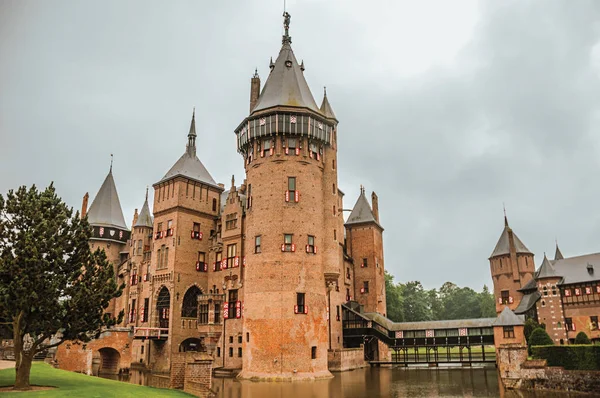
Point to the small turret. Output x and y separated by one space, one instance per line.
254 89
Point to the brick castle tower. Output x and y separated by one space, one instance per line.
512 266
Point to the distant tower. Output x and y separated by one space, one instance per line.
364 237
110 232
512 266
289 151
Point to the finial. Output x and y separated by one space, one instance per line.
111 162
256 72
191 145
324 91
146 193
362 189
286 25
271 64
505 218
233 180
302 68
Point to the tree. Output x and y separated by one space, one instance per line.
393 298
540 337
487 306
530 325
582 338
415 304
51 284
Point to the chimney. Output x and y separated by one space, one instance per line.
84 205
135 218
375 201
254 89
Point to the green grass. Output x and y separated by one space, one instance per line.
72 384
455 350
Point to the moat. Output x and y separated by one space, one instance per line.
380 383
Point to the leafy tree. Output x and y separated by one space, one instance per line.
51 284
582 338
415 305
539 336
530 325
487 306
394 299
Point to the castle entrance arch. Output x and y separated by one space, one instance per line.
189 309
192 344
109 361
163 304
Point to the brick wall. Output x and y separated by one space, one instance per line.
346 359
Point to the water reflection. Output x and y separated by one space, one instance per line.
366 383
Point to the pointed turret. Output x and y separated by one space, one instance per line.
286 85
189 165
144 219
105 210
546 269
557 254
507 239
326 108
362 213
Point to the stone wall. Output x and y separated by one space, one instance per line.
198 374
537 376
346 359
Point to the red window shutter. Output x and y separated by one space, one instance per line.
236 261
200 235
293 247
226 310
318 156
287 151
271 151
306 309
244 261
214 266
197 265
238 309
297 196
262 154
510 300
574 328
362 289
297 151
224 263
283 247
193 235
287 196
307 248
327 313
315 250
295 309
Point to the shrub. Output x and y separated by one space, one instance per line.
582 338
570 357
530 326
540 337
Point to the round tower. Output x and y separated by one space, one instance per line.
512 266
286 142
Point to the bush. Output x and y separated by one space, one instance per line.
570 357
582 338
530 326
540 337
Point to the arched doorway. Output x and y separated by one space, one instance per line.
163 303
109 361
189 309
192 344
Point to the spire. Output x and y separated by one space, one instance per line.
191 146
505 219
557 254
326 108
504 242
546 269
362 213
144 219
106 210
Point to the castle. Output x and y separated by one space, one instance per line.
253 275
563 293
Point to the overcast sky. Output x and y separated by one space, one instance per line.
447 109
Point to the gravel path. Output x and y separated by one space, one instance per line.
6 364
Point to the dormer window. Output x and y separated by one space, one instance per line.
288 63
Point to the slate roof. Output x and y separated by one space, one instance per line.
106 209
575 269
326 108
557 254
189 165
426 325
527 302
509 318
529 285
145 217
546 270
286 84
361 213
503 247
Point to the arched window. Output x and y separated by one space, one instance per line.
189 308
163 303
166 258
543 303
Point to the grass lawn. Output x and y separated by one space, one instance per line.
72 384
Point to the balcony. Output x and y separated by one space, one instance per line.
151 333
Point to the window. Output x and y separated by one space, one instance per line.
196 234
348 273
203 318
165 257
333 190
139 247
233 298
162 257
365 288
170 228
313 151
337 312
231 254
239 352
569 325
292 193
214 205
219 351
247 337
230 352
334 234
217 312
217 265
509 332
288 246
300 306
267 148
594 322
257 244
543 303
240 339
230 339
201 263
292 147
146 307
231 221
313 352
333 164
249 196
504 297
364 263
310 248
554 290
348 294
545 291
189 309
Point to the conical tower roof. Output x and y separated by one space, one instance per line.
189 165
105 210
286 85
503 245
326 108
508 318
145 217
361 213
546 270
558 254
